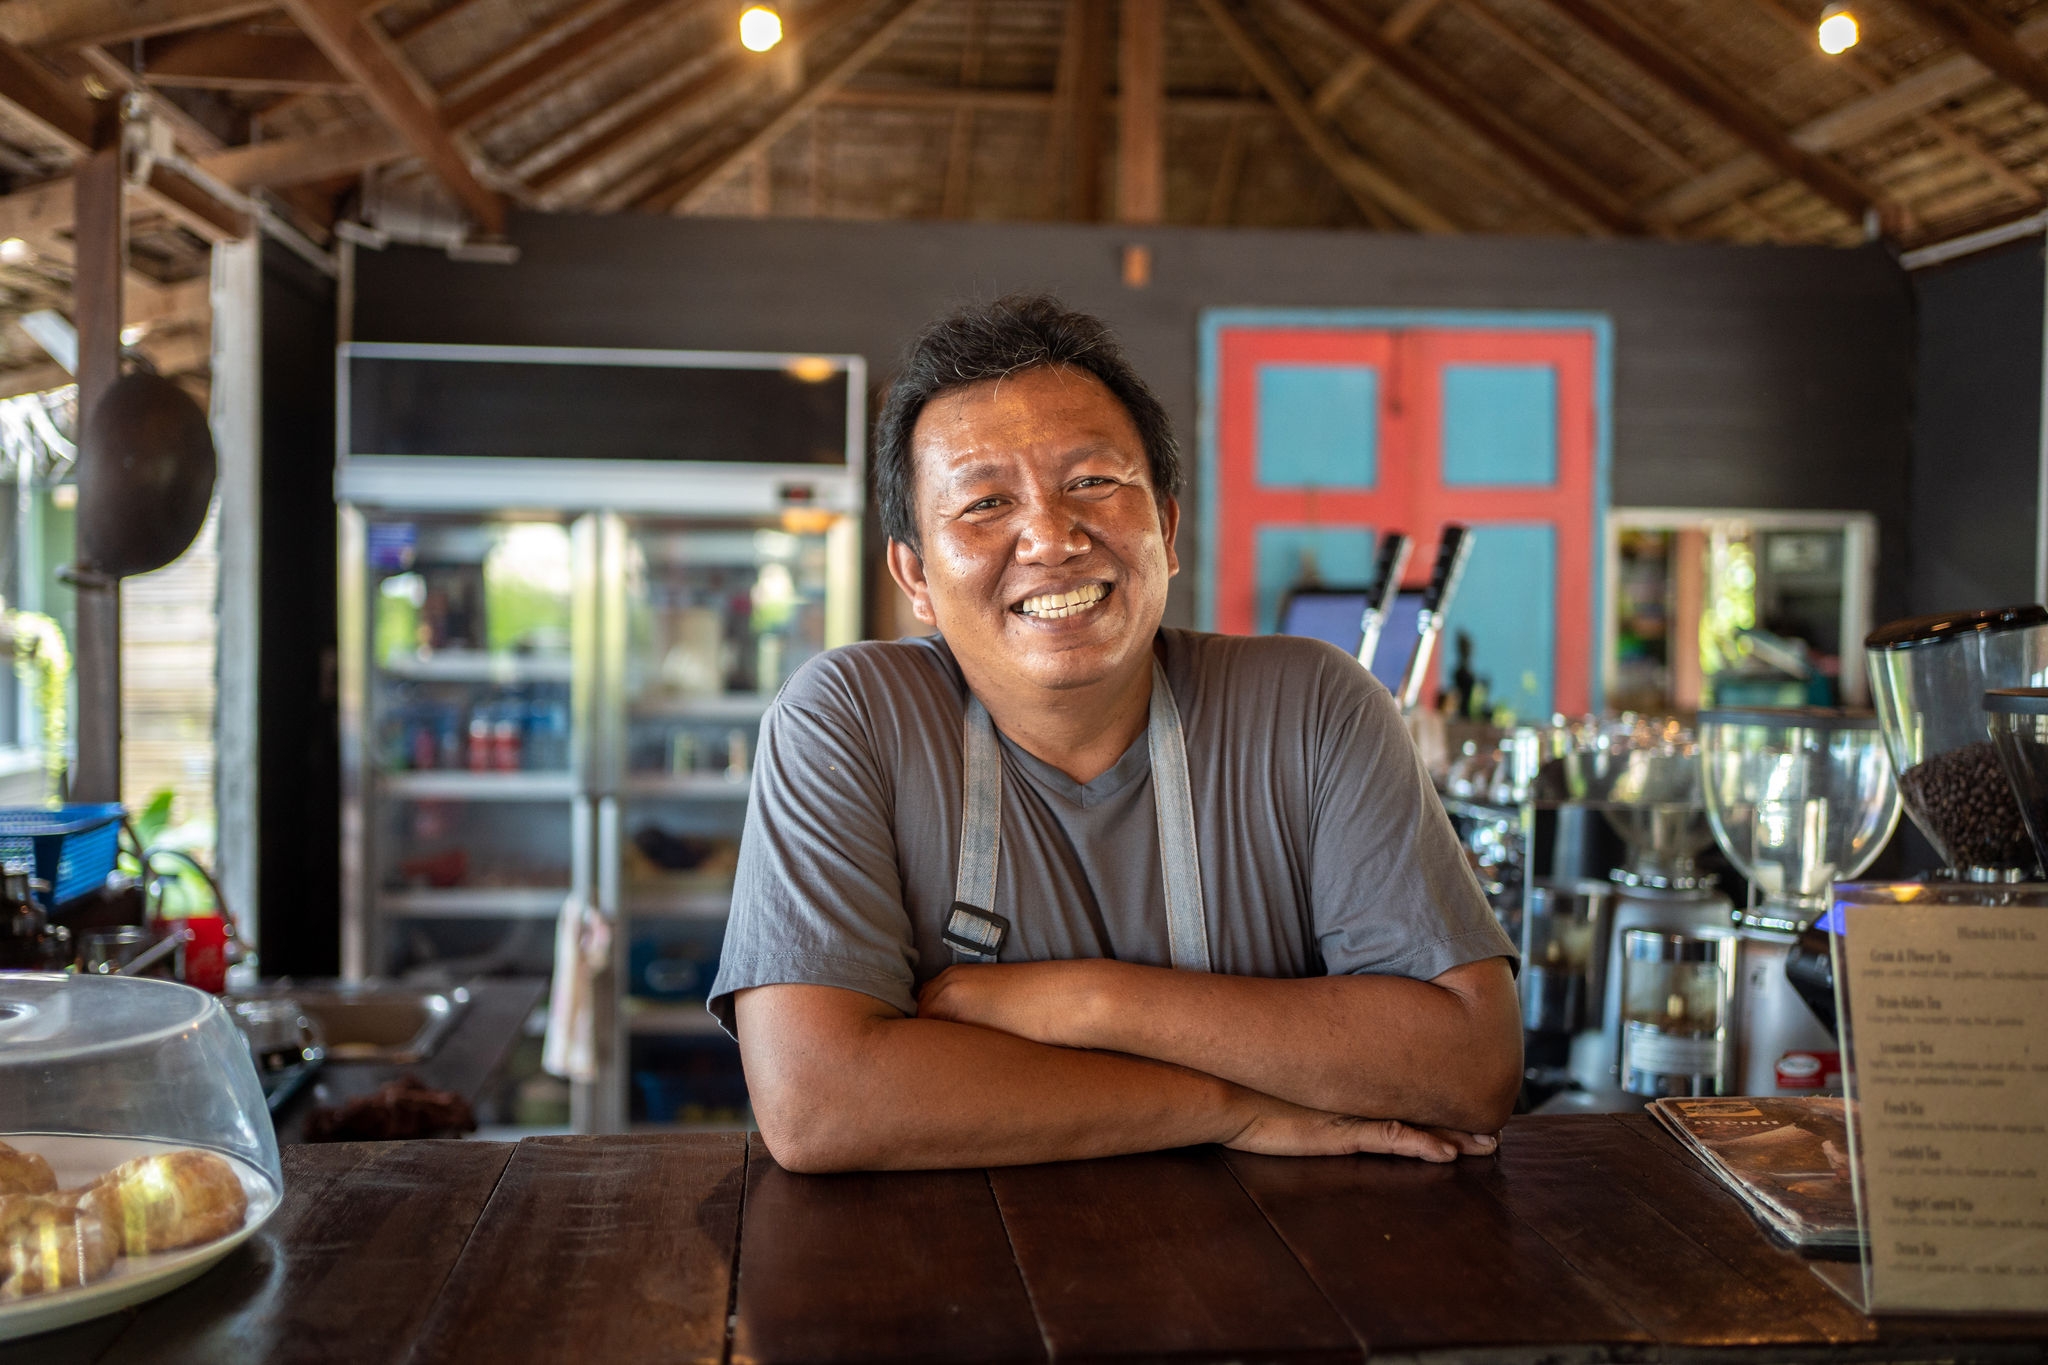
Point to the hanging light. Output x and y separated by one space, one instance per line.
760 28
1838 30
14 251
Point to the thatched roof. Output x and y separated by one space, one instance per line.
1688 119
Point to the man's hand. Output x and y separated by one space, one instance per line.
1277 1128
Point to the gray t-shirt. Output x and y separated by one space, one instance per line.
1323 849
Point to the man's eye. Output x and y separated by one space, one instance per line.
985 505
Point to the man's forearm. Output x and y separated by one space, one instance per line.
877 1091
841 1082
1444 1053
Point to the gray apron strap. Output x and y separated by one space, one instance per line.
1187 929
975 932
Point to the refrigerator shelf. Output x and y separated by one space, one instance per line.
729 706
474 902
476 665
693 786
460 784
655 903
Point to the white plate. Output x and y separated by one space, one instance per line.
79 1160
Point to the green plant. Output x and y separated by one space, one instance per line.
42 659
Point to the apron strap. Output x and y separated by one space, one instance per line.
976 933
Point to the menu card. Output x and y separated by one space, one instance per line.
1948 1043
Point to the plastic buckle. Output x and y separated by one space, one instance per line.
974 934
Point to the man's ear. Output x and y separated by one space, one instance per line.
1169 524
906 566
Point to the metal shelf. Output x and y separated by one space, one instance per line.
729 706
663 1019
475 902
459 784
476 665
692 786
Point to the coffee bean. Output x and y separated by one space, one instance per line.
1962 799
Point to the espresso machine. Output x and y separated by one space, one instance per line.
1644 776
1797 799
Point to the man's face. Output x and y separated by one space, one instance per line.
1046 555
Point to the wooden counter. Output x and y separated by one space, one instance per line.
1587 1238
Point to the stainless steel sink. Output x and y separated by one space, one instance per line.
382 1022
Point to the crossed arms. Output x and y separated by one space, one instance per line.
1054 1061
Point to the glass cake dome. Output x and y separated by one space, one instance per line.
135 1145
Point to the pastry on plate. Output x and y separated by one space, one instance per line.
49 1242
24 1172
177 1199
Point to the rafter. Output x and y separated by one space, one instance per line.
1710 95
989 99
1588 201
1927 88
1141 121
303 160
1989 41
1400 26
1229 168
1379 196
1086 93
640 125
58 25
544 56
1873 74
432 23
367 57
59 113
700 175
244 59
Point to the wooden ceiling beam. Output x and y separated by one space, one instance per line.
1992 43
432 23
367 57
1384 201
1400 26
57 110
60 25
243 59
945 99
303 160
1588 201
701 174
1873 74
1141 121
1706 92
1087 94
545 55
560 174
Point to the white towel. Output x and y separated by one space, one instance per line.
583 945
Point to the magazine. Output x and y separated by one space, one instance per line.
1787 1158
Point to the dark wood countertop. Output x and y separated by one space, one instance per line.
1586 1238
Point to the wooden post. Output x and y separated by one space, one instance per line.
101 241
1141 113
1091 63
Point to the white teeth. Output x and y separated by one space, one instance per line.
1053 605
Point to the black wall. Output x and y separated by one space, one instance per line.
299 784
1976 430
1743 377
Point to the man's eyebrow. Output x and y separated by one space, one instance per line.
974 473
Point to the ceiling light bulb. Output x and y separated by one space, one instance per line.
760 29
14 251
131 335
1838 32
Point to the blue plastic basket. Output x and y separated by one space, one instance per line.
72 847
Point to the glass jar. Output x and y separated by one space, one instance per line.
1676 1000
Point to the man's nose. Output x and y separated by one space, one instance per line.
1052 534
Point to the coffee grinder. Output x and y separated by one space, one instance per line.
1644 775
1797 799
1929 676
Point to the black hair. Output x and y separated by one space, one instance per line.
991 341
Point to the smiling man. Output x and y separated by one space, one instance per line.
1061 883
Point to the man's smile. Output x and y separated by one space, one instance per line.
1055 605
